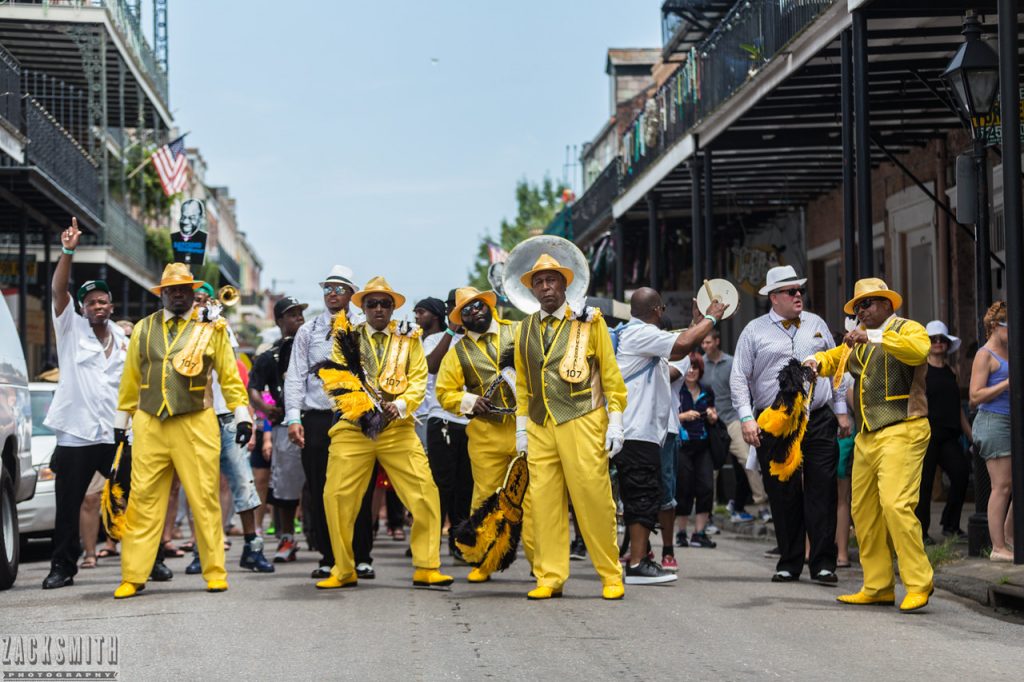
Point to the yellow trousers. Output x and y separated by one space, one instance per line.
190 445
349 466
886 483
571 458
491 447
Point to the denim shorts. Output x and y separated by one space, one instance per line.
234 463
991 432
669 450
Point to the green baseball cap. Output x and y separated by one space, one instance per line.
92 285
207 288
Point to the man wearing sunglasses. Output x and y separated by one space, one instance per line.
889 364
309 417
392 360
470 382
805 505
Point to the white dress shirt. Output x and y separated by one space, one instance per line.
82 411
313 343
643 354
431 407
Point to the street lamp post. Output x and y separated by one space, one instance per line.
973 77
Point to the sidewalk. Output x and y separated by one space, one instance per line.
996 585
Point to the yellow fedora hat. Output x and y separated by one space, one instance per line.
466 295
378 285
175 274
546 262
871 287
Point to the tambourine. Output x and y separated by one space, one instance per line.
721 290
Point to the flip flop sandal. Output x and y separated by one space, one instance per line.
88 562
398 535
172 551
106 553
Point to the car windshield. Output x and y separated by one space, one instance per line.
40 406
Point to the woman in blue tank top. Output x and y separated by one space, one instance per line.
990 393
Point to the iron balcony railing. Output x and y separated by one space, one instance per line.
126 236
125 19
595 206
56 153
10 88
746 39
229 266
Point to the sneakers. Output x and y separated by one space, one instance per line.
364 571
648 573
286 550
773 553
712 529
702 540
681 540
765 514
741 517
669 563
253 559
577 550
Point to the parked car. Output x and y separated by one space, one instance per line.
17 477
36 517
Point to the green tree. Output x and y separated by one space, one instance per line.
536 206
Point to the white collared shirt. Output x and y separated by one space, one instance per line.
82 411
875 335
643 354
559 313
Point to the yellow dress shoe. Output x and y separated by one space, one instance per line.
543 592
916 600
478 576
613 592
217 586
863 599
431 577
125 590
332 583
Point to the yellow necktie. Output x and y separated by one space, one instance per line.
379 339
795 322
489 345
549 324
172 327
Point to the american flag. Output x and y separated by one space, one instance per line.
496 253
171 165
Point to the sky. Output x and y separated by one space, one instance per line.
389 136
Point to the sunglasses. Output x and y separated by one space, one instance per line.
339 289
385 303
1001 324
864 303
473 306
792 292
939 339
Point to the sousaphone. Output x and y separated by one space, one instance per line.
526 253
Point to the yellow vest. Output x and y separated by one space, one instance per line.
163 392
550 394
887 391
479 370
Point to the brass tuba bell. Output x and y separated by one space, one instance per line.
228 296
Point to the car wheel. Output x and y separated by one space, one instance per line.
9 545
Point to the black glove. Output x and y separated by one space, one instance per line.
120 436
243 433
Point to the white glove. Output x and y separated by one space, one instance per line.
521 439
615 436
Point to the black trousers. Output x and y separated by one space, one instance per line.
695 478
639 467
805 505
317 424
944 451
74 468
448 454
741 494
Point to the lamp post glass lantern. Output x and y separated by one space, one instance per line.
973 73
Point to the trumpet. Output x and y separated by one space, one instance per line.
228 296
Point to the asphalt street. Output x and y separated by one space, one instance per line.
722 619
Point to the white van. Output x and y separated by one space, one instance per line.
17 476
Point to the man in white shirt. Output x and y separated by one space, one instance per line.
90 352
643 352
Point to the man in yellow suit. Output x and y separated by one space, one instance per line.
393 362
165 391
570 397
471 369
887 356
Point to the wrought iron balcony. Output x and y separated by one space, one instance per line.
125 19
57 154
683 22
10 89
126 236
229 267
745 39
594 208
